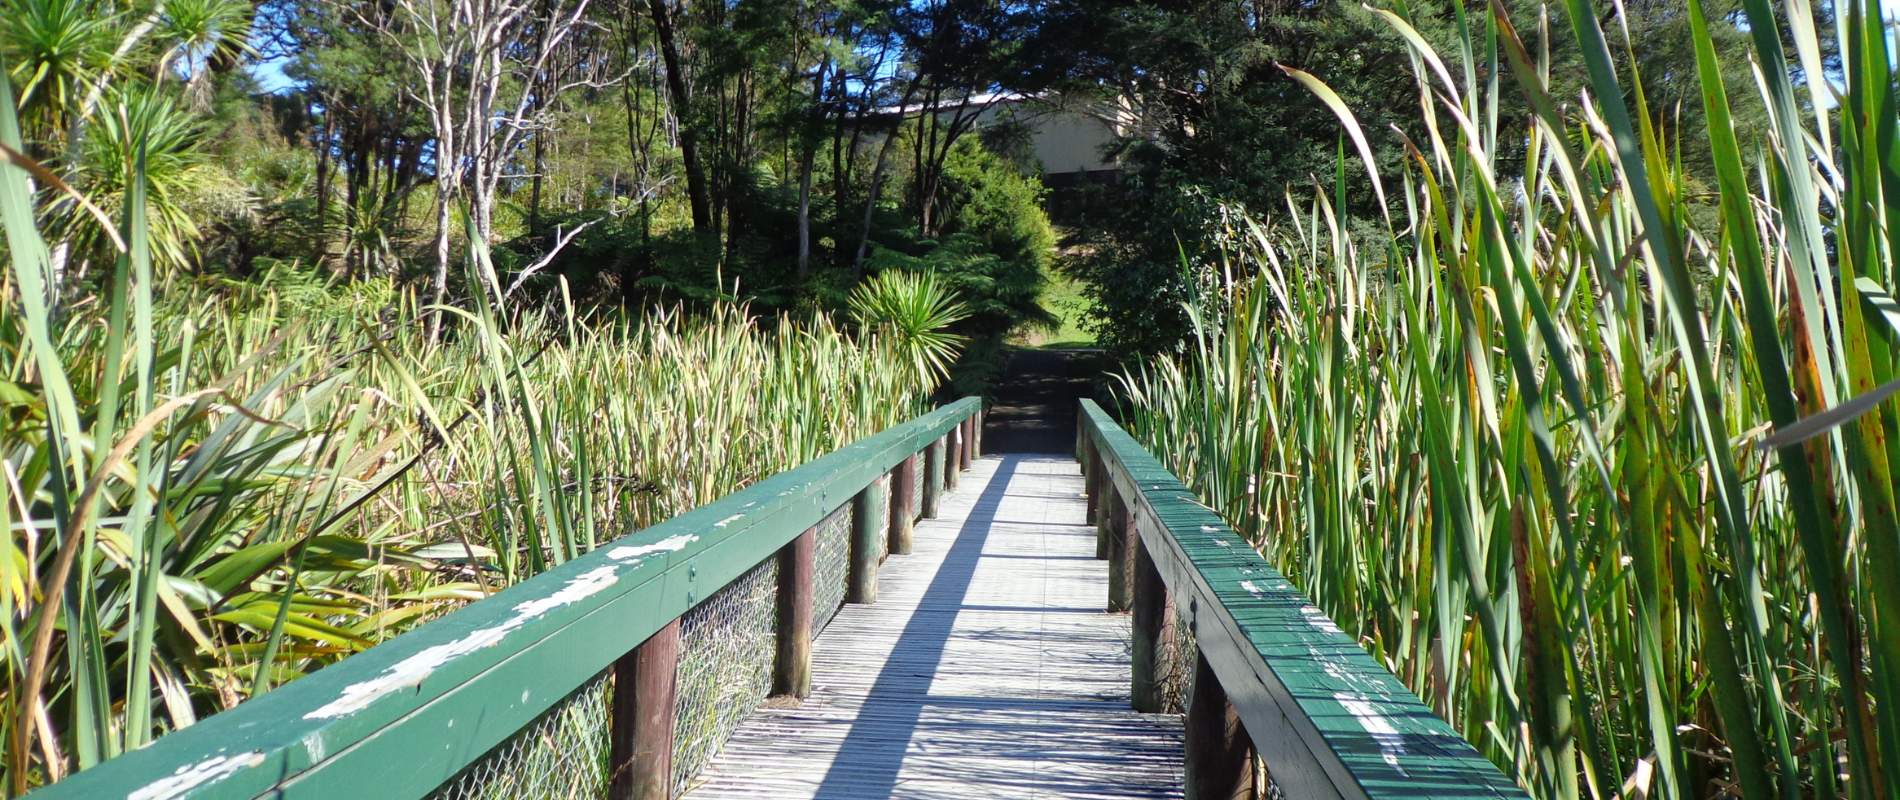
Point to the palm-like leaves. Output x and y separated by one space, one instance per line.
916 312
55 48
174 168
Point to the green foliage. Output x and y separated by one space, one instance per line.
987 198
346 480
916 312
176 172
1229 128
1607 481
1170 258
54 49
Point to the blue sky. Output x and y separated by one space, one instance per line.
270 73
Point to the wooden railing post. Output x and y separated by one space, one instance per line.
976 434
1121 561
791 673
867 518
968 451
933 479
1153 629
953 443
640 750
1091 472
903 493
1219 754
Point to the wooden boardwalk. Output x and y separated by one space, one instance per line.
987 668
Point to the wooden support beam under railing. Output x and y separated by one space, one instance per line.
640 752
933 479
1152 626
903 494
791 672
1219 756
1121 554
952 456
867 525
968 452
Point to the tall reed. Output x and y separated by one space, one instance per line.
1611 488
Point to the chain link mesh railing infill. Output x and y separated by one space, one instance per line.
559 756
831 566
727 645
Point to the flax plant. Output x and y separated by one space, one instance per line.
1611 488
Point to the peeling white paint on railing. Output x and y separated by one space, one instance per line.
670 544
192 776
411 671
1391 743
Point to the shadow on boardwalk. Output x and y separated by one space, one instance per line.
986 668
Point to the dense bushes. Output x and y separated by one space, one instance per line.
994 253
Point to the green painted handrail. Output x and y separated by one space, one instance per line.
1327 720
402 717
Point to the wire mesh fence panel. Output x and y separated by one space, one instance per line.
561 755
1174 665
831 566
725 668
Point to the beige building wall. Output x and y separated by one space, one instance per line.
1065 139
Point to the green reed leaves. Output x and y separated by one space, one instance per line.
1518 448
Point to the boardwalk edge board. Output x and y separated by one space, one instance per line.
1325 717
401 718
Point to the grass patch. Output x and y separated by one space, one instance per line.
1064 299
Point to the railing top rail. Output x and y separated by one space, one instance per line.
404 716
1326 718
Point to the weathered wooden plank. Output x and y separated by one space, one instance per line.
986 669
1327 719
476 676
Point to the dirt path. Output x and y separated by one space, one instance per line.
1035 400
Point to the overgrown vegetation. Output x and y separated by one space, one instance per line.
216 489
1223 129
1591 444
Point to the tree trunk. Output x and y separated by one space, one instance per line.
324 139
696 191
877 182
807 154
